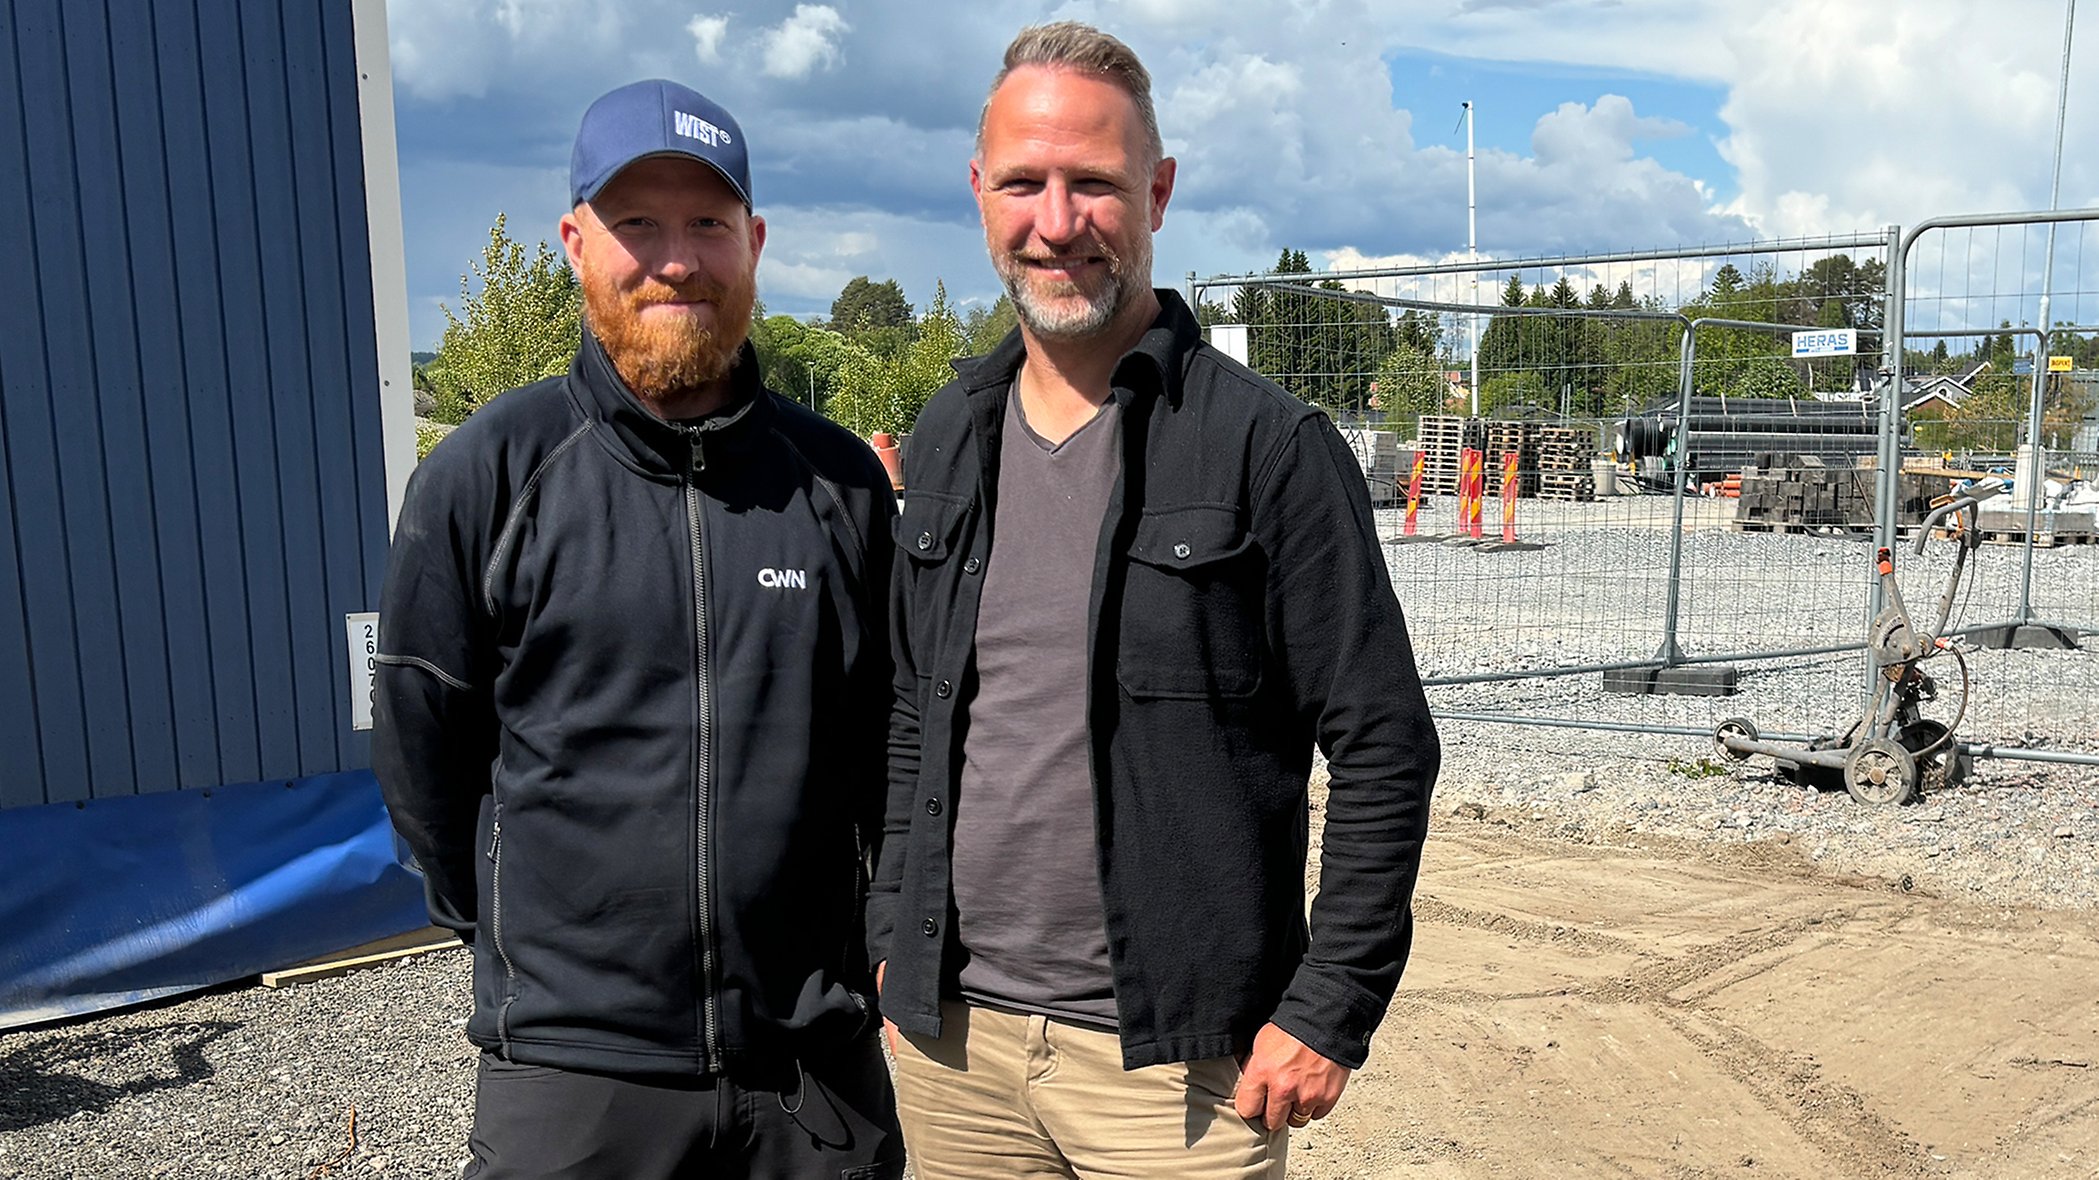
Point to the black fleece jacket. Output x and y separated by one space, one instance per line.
1241 612
631 697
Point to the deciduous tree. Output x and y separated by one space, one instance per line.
518 322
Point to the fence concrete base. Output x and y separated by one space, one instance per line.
2028 636
1697 680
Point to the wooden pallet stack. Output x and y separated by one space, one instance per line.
1442 437
1522 438
1564 473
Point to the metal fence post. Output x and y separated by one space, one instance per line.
1887 527
1888 482
2034 412
1671 654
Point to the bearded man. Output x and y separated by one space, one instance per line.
631 707
1138 583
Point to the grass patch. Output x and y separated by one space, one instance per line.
1697 767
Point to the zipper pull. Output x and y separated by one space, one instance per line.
699 457
495 837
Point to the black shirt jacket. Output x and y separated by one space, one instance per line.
1241 614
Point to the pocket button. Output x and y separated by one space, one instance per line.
1181 550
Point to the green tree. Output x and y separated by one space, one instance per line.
1989 419
1322 348
984 328
1768 376
1277 326
519 321
1250 306
1501 345
1419 330
1409 383
877 393
1738 362
1346 341
873 315
1505 391
797 359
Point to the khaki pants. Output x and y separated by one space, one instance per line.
1001 1096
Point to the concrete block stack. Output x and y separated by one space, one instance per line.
1386 465
1790 492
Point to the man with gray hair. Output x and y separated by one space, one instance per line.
1136 585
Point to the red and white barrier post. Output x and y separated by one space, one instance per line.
1464 501
1476 485
1508 497
1413 524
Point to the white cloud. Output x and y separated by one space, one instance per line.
811 252
1831 118
1607 130
804 41
445 49
1844 117
707 33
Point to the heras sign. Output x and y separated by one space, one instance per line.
1825 342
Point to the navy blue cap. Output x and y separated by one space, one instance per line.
655 118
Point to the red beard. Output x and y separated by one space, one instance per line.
660 357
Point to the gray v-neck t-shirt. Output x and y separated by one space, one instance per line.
1025 869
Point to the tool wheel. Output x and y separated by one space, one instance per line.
1922 734
1880 772
1739 728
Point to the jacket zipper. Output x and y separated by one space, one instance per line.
495 923
710 1017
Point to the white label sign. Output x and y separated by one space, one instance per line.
363 632
1825 342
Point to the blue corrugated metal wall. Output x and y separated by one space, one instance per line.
189 415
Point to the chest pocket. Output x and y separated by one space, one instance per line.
928 532
1192 617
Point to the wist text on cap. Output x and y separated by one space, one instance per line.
694 127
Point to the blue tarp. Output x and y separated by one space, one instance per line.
120 900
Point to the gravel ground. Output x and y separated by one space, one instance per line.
2012 833
250 1082
253 1083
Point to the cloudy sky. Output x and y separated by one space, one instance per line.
1331 126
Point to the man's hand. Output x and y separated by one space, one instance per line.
1286 1082
888 1029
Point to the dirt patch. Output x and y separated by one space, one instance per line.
1652 1007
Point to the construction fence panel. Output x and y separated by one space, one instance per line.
1989 393
1690 500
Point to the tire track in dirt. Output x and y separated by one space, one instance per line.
1834 1118
1664 977
1558 934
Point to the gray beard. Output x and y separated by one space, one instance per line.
1098 312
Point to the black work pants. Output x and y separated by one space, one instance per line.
833 1119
